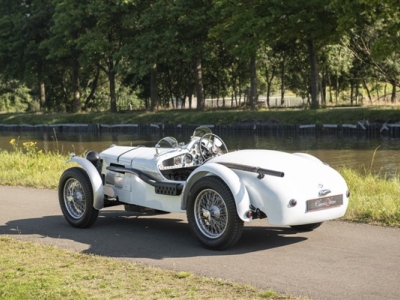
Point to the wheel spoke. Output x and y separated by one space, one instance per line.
74 198
210 213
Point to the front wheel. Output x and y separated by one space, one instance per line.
75 195
212 215
306 227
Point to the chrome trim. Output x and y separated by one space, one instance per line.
324 192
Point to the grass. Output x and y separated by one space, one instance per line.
380 114
374 199
34 271
26 166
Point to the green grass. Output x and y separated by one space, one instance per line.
26 166
379 114
374 199
33 271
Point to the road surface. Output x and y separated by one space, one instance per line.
337 261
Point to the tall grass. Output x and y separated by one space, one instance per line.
30 167
374 199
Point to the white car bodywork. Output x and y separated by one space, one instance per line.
288 189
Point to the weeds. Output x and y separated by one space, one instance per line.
27 166
374 198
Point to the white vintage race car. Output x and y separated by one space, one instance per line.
218 190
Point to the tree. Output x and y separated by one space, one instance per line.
170 35
239 26
311 22
374 35
103 39
68 26
24 26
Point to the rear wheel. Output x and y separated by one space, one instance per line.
212 215
75 195
306 227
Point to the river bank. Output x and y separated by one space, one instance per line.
348 115
368 121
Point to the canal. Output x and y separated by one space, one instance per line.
379 154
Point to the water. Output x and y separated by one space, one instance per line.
380 155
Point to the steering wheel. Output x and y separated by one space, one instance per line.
211 145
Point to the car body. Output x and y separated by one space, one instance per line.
218 190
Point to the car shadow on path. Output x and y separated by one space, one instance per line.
120 234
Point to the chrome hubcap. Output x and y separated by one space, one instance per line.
74 198
210 213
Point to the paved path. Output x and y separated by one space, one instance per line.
337 261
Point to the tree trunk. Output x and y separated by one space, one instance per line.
268 93
199 84
337 90
113 96
92 89
76 102
253 82
384 92
314 74
368 91
269 80
322 85
282 82
42 95
330 89
351 93
394 92
153 88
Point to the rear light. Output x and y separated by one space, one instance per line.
249 214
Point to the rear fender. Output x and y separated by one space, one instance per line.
95 179
230 178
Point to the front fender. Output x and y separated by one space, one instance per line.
95 179
230 178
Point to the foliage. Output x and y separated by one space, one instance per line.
69 55
15 97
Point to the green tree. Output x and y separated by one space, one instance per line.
103 39
239 25
374 35
24 26
173 34
311 22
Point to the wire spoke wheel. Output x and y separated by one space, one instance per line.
75 195
210 213
74 198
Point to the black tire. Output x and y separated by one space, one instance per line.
75 195
211 213
306 227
